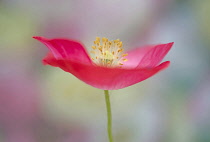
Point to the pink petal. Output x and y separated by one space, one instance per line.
135 56
51 60
108 78
66 49
148 56
155 55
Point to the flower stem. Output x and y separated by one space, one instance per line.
109 115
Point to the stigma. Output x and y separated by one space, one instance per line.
108 53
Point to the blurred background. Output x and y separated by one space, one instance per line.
45 104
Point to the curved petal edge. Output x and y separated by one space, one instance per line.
66 49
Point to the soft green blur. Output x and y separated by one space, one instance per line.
45 104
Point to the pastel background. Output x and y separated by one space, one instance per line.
45 104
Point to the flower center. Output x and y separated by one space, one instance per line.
108 53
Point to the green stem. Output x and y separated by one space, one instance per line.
109 115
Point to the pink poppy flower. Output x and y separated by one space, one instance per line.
109 68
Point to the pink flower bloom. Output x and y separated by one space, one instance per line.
109 69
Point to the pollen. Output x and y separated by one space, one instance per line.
108 53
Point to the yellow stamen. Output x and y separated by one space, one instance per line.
123 55
108 53
93 52
125 60
94 47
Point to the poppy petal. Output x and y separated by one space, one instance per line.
155 55
66 49
135 55
148 56
109 78
51 60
